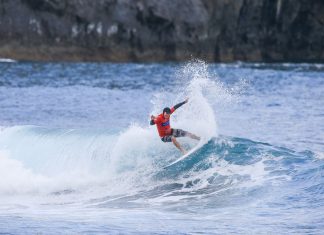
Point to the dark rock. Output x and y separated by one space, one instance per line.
159 30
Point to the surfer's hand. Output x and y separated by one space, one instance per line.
186 100
152 117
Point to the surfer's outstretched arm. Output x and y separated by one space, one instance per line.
180 104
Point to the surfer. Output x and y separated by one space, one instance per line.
168 134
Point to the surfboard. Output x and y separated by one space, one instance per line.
191 151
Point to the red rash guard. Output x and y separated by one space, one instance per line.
163 124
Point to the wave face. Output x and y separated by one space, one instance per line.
99 157
74 149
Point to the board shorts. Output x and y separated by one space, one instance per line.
174 133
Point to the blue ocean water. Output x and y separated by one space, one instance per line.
78 156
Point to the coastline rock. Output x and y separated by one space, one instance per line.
162 30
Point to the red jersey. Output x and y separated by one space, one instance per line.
163 124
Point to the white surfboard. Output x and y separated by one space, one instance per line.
191 151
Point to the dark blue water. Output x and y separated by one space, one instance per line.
77 153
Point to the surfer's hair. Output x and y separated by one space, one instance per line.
167 110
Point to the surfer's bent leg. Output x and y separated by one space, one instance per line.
167 138
192 136
179 133
175 133
170 138
176 143
182 133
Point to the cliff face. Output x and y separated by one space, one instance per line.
157 30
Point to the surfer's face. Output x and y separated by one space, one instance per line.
166 115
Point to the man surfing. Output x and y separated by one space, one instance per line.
168 134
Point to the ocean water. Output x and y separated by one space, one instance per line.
78 156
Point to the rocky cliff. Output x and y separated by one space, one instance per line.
160 30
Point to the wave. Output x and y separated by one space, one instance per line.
98 166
